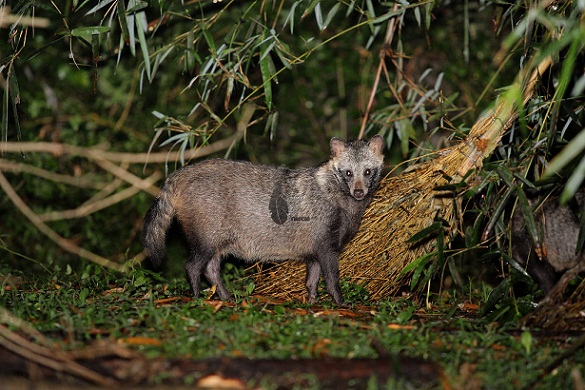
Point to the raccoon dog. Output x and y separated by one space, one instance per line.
262 213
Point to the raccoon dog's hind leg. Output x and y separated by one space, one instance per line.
213 275
201 263
194 267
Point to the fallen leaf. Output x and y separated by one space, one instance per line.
399 327
468 307
164 301
218 382
140 341
113 290
338 313
320 349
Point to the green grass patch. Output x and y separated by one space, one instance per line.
158 318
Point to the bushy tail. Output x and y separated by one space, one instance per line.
156 223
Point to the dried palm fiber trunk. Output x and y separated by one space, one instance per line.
408 203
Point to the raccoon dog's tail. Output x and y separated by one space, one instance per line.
156 223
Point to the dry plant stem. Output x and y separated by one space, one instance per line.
7 318
44 351
51 358
80 182
91 207
47 231
105 192
381 65
125 175
7 19
115 157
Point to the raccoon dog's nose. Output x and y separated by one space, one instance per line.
358 194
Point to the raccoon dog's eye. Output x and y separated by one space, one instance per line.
367 172
348 173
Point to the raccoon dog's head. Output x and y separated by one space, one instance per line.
358 164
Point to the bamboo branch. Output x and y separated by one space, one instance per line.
80 182
381 65
123 174
57 360
50 233
116 157
6 19
91 207
105 192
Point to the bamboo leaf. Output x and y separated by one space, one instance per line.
495 295
177 138
285 61
385 17
319 17
417 16
569 152
309 9
331 14
290 18
131 19
209 40
574 182
265 69
370 9
498 212
428 14
92 30
122 19
36 52
137 7
140 29
160 57
529 220
98 6
427 232
271 124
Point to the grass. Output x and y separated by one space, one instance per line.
157 318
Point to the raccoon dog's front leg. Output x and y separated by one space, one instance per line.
328 261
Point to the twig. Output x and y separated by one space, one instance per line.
105 192
80 182
381 66
47 231
57 360
6 19
91 207
576 346
123 174
7 318
116 157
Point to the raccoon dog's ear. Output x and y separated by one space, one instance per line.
376 144
337 146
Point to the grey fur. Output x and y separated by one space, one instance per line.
558 230
264 213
